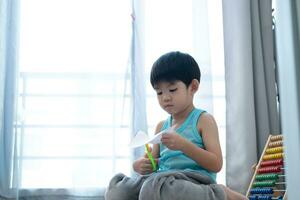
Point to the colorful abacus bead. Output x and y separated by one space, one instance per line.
273 156
261 191
264 184
264 198
268 182
275 144
276 137
271 162
274 150
262 177
269 170
253 197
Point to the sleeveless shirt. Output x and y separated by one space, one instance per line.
170 159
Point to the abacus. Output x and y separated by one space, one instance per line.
268 181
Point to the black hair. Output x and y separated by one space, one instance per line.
175 66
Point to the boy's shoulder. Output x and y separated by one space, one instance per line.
206 116
206 119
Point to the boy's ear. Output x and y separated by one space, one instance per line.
194 85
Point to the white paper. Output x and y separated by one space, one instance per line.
156 139
141 138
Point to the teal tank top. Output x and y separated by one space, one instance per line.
170 159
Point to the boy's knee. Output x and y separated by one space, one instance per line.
123 187
147 190
117 188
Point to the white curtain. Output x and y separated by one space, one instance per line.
138 84
155 33
250 86
74 97
83 84
8 72
194 27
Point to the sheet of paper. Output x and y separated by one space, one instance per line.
156 139
141 138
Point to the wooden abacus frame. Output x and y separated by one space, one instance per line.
259 163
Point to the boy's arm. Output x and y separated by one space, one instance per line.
211 157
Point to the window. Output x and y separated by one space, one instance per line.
74 126
74 98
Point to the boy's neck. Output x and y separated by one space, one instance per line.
179 118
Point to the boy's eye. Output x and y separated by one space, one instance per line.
173 90
159 93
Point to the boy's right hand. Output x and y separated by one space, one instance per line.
143 165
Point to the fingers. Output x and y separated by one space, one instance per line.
146 155
146 163
150 150
170 141
146 171
166 140
167 136
146 168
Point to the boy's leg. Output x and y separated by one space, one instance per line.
233 195
122 187
177 186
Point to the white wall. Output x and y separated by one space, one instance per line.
288 58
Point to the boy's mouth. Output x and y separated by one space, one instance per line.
168 106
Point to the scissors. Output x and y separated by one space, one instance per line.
150 156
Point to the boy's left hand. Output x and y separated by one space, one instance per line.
173 140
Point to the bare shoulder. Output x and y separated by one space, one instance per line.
207 117
205 121
159 126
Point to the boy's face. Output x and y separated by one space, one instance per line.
173 97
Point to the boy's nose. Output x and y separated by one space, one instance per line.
166 97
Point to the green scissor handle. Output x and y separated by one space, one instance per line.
150 157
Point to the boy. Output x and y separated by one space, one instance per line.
190 154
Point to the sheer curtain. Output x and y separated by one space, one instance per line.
139 115
8 69
74 95
194 27
83 83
